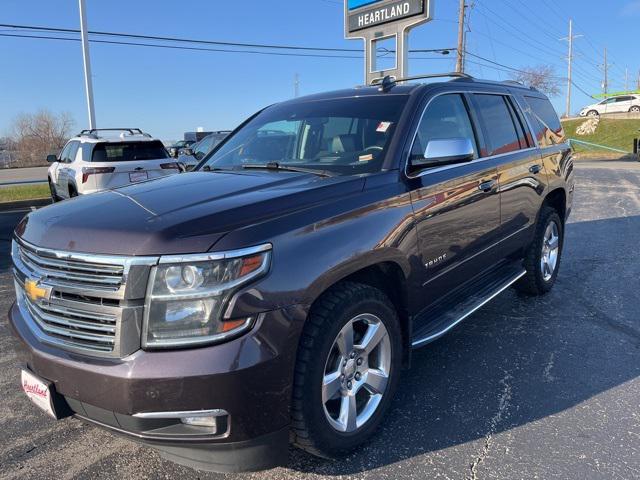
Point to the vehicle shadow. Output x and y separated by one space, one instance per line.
519 359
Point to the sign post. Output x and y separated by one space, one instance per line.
375 21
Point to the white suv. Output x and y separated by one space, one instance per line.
619 104
89 162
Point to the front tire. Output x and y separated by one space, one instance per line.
634 109
54 195
542 259
593 113
349 361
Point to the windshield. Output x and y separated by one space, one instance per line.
341 136
128 151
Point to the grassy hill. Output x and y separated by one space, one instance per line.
610 132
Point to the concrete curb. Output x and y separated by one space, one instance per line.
24 204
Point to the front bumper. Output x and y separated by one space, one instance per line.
249 377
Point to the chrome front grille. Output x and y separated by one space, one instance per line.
85 303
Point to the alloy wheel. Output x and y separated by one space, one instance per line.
356 373
550 251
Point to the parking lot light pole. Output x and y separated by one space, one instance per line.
87 64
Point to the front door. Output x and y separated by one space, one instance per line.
456 207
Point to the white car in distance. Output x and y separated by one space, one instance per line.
91 162
618 104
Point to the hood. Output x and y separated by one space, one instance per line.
186 213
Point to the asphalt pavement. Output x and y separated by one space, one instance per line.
526 388
9 176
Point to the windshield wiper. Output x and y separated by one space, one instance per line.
208 168
287 168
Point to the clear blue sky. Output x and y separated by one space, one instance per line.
167 92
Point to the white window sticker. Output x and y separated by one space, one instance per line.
383 127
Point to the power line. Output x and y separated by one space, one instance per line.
178 47
517 70
180 39
529 41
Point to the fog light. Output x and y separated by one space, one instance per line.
208 422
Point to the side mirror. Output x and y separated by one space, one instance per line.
52 158
446 151
187 151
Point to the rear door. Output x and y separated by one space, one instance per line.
521 173
122 163
623 104
456 207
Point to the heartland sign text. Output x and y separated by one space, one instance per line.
389 12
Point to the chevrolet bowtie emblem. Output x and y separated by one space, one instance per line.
36 292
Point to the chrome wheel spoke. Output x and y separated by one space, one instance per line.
553 243
348 413
331 386
376 381
344 342
373 337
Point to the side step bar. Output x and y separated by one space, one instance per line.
441 318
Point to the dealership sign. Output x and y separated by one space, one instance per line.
375 15
377 21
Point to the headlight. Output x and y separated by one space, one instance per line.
186 296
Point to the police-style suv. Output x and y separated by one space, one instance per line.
91 162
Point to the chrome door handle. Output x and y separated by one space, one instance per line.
487 186
535 169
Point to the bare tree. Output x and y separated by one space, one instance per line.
37 135
541 77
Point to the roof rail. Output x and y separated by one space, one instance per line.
388 81
94 132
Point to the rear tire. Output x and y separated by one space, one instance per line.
542 258
346 374
72 192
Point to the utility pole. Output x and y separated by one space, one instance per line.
570 38
296 85
605 84
638 82
461 38
87 64
626 80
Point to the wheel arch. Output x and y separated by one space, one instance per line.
391 276
557 199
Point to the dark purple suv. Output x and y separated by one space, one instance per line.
274 294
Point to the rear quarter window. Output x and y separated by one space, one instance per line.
547 126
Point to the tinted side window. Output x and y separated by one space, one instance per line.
548 127
498 121
523 136
73 150
445 117
64 154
